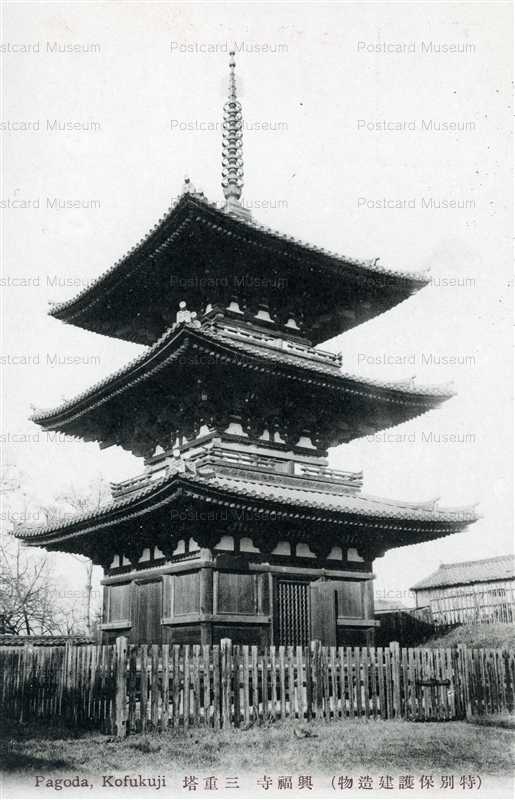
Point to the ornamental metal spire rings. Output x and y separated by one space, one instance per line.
232 147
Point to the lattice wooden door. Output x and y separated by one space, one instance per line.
293 612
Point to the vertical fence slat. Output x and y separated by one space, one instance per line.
216 687
350 681
396 678
196 684
273 678
325 684
300 682
291 683
155 687
366 681
186 692
131 690
236 685
144 688
334 682
316 679
264 683
206 684
165 709
255 684
176 685
359 689
246 685
282 681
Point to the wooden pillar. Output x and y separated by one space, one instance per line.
370 636
105 610
368 599
323 611
272 605
206 599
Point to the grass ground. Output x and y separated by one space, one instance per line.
496 635
378 747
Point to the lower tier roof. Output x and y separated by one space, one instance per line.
257 507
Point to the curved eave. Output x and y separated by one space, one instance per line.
403 525
173 345
90 308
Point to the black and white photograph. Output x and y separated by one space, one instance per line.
256 399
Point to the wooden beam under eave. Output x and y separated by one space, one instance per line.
104 444
365 430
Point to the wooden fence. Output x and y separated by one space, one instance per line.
466 610
126 688
73 684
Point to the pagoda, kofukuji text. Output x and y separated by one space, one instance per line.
237 526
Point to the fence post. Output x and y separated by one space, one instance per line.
226 646
120 700
464 679
315 698
309 649
396 677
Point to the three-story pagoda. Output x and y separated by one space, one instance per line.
238 527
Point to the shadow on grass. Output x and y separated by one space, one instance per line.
18 738
20 731
505 721
14 761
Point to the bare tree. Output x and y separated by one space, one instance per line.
26 595
25 582
29 600
75 499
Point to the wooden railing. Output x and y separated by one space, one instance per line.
125 688
278 343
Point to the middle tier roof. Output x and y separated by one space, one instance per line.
215 372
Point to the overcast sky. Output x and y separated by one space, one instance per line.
350 109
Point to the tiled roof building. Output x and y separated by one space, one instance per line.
470 591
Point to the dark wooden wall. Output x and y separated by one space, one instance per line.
238 605
148 605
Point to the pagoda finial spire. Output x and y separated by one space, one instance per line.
232 147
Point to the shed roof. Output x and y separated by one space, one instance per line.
486 569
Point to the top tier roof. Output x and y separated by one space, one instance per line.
204 255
